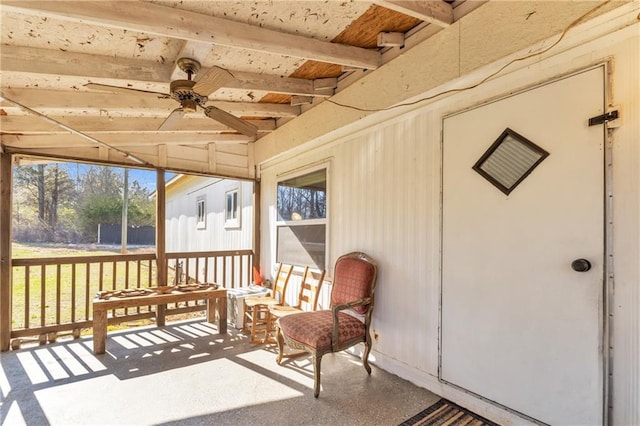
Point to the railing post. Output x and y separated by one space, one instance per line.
256 228
6 189
161 248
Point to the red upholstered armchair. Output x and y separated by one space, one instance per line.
334 330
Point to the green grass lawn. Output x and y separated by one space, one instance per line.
58 294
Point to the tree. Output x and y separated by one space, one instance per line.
101 201
142 209
46 188
50 206
101 180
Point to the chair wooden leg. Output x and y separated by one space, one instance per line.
280 341
254 313
365 357
316 374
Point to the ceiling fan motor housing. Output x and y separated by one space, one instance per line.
182 91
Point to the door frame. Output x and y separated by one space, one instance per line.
606 310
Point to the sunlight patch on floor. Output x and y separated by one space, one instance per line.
14 415
197 390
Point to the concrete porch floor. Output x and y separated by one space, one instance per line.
187 374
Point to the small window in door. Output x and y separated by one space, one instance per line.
510 159
232 209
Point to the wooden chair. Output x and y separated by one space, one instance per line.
256 309
333 330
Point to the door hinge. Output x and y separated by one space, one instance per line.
603 118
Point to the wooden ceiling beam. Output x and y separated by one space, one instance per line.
120 140
323 87
435 12
28 124
94 68
182 24
56 63
60 102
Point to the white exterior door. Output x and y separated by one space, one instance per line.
520 326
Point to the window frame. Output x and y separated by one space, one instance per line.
201 213
326 166
233 222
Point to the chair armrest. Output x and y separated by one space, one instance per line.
335 333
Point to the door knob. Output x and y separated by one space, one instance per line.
581 265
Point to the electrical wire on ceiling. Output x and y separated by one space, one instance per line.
76 132
485 79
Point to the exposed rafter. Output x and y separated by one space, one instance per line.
31 125
120 140
87 104
175 23
435 12
92 67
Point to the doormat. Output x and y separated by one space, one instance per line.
447 413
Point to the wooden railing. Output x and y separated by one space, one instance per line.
53 295
233 268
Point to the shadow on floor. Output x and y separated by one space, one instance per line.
186 373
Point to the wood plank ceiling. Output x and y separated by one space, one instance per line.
266 62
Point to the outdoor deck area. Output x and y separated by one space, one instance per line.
187 373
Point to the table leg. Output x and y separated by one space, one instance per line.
160 315
211 310
99 331
221 314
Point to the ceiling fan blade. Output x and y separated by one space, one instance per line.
118 89
231 120
171 121
211 80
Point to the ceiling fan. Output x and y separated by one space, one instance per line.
187 93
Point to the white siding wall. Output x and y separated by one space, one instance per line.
384 199
181 223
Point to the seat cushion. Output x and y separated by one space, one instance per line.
314 328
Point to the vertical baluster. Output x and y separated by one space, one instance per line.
150 277
58 293
87 288
101 276
215 269
27 298
224 270
113 282
241 269
113 275
126 274
197 275
126 281
233 270
206 270
185 268
73 292
43 294
138 280
248 270
250 267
